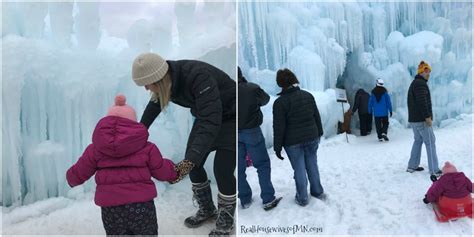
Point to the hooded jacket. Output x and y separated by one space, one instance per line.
123 162
380 104
451 185
209 93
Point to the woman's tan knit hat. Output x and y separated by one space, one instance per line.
148 68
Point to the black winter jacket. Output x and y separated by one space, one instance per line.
251 98
296 118
419 100
361 102
209 93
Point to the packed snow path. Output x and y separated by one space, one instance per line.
369 191
80 216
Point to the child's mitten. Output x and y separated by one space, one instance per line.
425 200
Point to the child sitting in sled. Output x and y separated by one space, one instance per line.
450 195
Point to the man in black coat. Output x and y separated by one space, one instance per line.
420 117
210 94
251 141
361 103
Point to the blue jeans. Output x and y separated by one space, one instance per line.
303 159
423 134
253 142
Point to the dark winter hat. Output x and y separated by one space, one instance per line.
286 78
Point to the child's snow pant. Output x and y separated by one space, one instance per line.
130 219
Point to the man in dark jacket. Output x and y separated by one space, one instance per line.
297 127
210 94
251 141
420 116
361 103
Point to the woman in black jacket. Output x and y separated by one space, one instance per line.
297 127
210 94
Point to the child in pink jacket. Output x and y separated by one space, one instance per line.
452 193
123 161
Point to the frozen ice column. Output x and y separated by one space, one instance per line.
87 25
61 20
33 18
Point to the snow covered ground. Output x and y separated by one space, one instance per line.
78 215
368 190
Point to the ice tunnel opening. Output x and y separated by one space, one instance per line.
354 78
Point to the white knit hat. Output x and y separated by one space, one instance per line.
379 82
148 68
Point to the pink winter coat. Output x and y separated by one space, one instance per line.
451 185
124 161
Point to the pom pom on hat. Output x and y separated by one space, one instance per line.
422 66
120 100
121 109
449 168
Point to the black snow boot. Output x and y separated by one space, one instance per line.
207 209
272 204
225 216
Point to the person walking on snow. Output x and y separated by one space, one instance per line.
361 104
420 117
380 106
251 141
297 127
123 161
210 94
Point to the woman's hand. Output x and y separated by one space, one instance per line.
182 168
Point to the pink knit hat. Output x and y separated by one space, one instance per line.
449 168
120 109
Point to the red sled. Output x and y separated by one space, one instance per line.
448 209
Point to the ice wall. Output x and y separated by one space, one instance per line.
348 45
62 75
